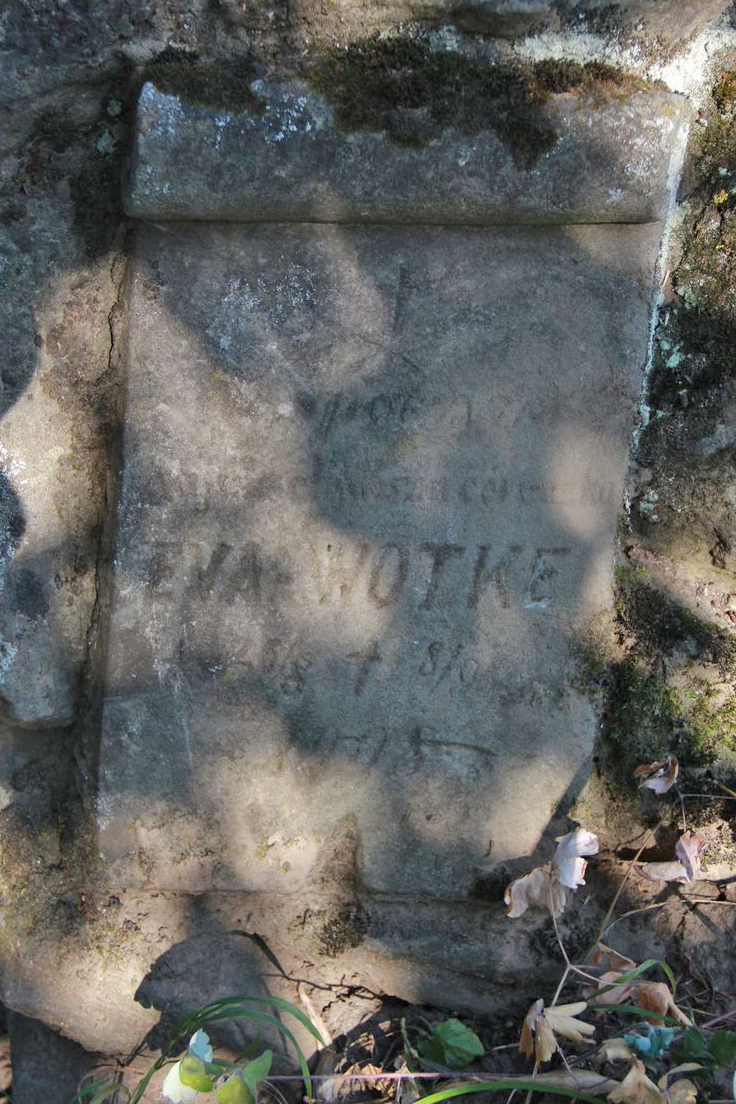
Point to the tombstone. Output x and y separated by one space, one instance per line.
378 407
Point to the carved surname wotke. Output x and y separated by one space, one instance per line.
374 443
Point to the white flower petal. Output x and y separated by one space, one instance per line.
571 871
199 1044
173 1089
579 842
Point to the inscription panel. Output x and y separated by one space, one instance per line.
370 484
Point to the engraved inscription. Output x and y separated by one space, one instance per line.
382 574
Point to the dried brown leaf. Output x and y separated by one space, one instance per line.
636 1088
561 1018
664 872
688 849
684 1067
614 1050
682 1092
526 1041
616 961
542 1024
660 776
618 993
655 996
546 887
538 888
545 1043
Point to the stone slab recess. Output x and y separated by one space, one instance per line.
610 164
371 478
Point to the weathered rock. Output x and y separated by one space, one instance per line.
370 483
672 20
609 163
46 1066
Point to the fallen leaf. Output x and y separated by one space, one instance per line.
682 1092
655 996
539 888
664 872
616 961
636 1088
660 776
537 1038
617 993
582 1079
688 849
684 1067
614 1050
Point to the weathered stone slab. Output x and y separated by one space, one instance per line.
672 20
609 163
371 477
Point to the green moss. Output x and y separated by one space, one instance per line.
412 93
221 84
724 92
653 702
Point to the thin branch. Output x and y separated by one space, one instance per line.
711 797
682 809
720 1019
631 912
619 891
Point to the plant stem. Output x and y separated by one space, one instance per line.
605 926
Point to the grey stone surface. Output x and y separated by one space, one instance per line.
370 485
46 1066
672 20
610 163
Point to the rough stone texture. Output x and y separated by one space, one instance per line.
46 1066
73 953
671 20
370 486
609 164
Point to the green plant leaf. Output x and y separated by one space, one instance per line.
631 975
193 1072
234 1091
256 1070
692 1046
99 1092
264 1017
723 1047
451 1044
506 1086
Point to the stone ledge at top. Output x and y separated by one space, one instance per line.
610 163
672 20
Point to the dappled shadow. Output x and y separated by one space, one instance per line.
370 484
357 549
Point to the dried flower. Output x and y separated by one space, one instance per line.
547 886
660 776
542 1024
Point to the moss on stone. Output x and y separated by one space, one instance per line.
654 699
225 83
413 93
